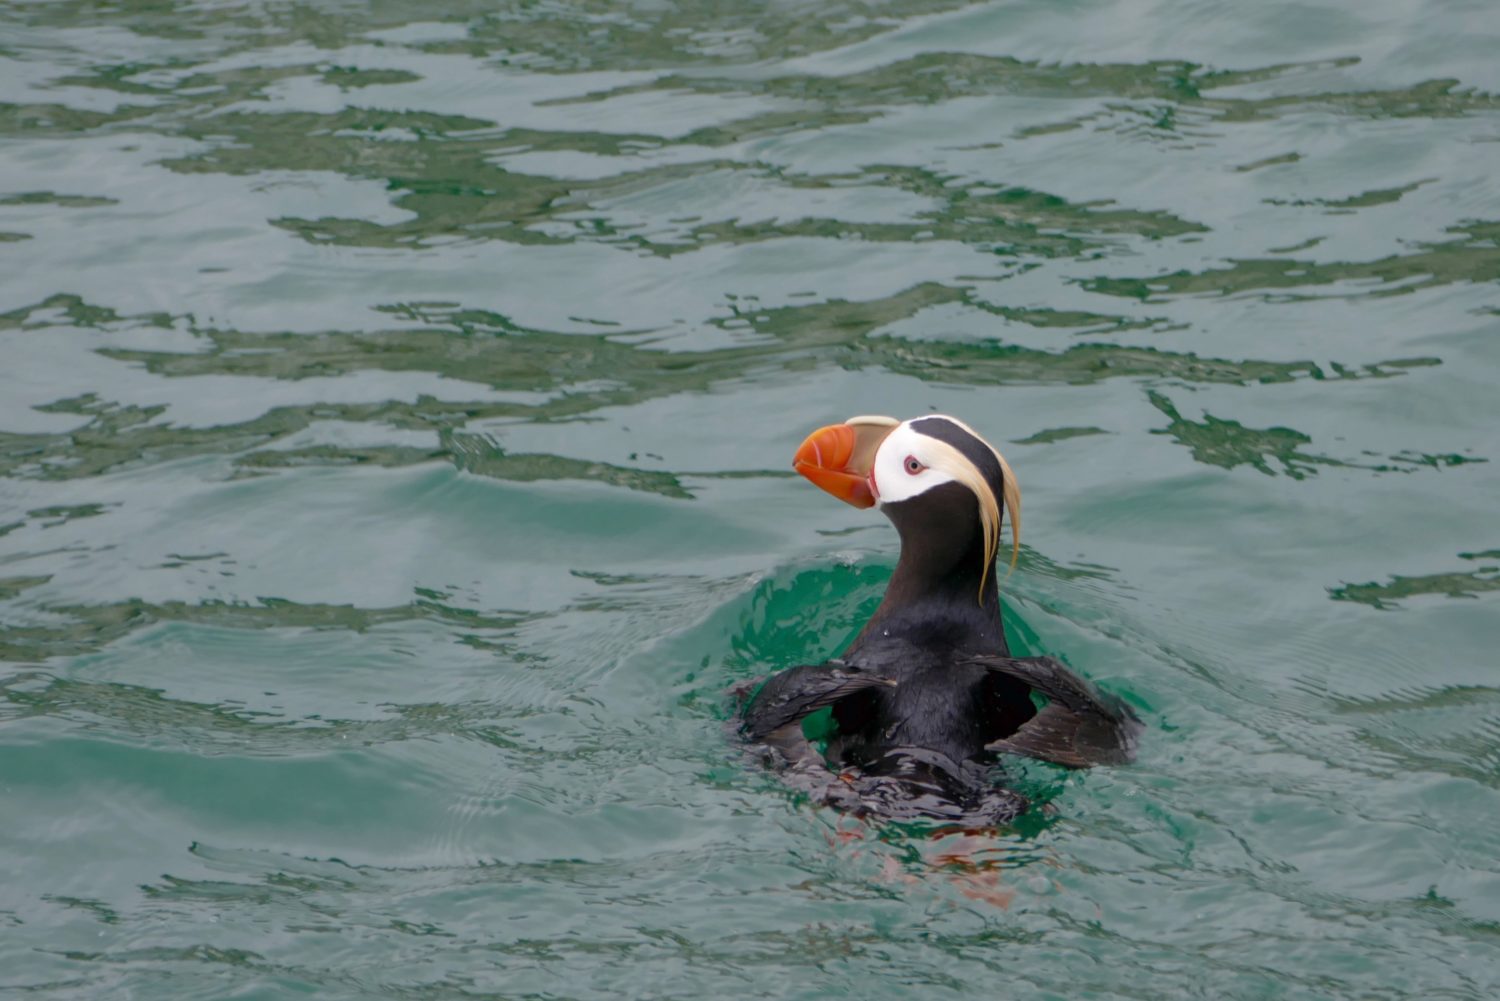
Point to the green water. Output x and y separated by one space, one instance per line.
396 406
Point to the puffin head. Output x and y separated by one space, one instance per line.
916 470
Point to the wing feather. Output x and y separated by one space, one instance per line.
795 693
1079 727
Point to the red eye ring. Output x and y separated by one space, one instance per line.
913 466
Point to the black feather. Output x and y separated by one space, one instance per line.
1079 727
793 694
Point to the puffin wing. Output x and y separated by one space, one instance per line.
1079 727
799 691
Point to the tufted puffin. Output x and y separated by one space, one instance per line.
928 693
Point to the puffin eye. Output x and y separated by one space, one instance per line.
913 466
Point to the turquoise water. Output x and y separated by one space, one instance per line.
396 410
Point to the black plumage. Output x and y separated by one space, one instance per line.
927 693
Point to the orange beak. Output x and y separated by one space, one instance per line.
839 458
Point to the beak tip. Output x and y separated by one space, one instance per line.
828 459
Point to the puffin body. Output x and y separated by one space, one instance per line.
927 693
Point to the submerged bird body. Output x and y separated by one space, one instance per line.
927 692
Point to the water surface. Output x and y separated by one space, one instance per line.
396 404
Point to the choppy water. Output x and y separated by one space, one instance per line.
397 402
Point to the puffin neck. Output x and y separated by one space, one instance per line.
934 598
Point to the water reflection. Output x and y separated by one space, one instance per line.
1453 584
394 421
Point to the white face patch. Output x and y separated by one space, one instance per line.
896 477
909 463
